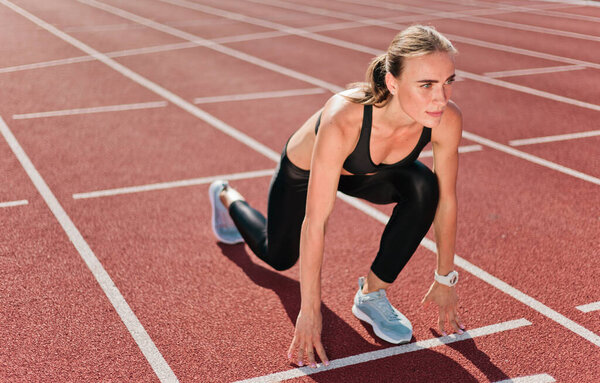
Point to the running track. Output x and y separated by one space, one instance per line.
116 115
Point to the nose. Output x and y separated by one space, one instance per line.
440 96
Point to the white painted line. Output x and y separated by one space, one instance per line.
534 71
540 378
259 95
559 137
269 153
486 277
588 3
14 203
390 351
525 89
208 44
480 20
97 109
530 158
589 307
137 331
461 149
173 184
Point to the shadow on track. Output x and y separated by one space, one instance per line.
341 340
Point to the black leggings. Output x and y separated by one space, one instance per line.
276 240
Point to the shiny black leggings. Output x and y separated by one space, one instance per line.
276 240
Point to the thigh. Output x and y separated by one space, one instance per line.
391 185
286 209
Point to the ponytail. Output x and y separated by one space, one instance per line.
374 89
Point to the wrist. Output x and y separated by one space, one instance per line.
450 279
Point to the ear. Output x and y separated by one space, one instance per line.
391 82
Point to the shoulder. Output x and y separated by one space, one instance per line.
342 114
450 127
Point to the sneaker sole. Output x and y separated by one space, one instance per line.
365 318
211 195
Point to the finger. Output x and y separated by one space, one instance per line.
311 355
441 320
321 352
300 355
460 322
452 321
290 353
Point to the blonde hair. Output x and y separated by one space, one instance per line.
416 40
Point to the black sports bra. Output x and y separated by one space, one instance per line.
360 162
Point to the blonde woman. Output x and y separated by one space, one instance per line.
364 142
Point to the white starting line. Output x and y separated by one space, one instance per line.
14 203
540 378
559 137
391 351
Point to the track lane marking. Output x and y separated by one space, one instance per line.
135 328
327 40
269 153
13 203
173 184
559 137
534 71
207 180
588 308
539 378
474 19
96 109
390 351
259 95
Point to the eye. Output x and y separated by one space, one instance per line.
450 81
426 86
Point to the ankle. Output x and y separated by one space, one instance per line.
229 195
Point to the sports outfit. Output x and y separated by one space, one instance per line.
408 183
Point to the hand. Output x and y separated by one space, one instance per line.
307 338
447 300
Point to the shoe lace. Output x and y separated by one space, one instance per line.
386 308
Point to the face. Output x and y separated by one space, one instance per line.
424 87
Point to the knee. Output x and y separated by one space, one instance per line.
425 186
282 265
282 259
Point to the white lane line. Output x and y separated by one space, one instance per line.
206 180
528 90
530 158
589 307
269 153
390 351
173 184
208 44
589 3
559 137
480 20
461 149
137 331
540 378
97 109
455 38
259 95
13 203
533 71
486 277
332 41
135 328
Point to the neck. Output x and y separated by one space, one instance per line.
393 116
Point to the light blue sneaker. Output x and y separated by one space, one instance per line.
222 225
374 308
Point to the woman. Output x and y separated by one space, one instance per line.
364 142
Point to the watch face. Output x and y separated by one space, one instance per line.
454 279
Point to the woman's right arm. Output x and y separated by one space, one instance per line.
332 146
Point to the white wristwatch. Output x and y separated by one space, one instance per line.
448 280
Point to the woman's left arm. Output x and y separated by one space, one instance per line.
445 140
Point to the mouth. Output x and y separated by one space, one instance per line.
435 114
